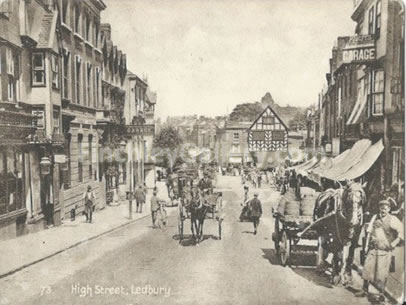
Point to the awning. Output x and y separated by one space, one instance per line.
317 172
367 160
301 169
353 157
352 163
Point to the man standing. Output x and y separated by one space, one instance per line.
154 208
256 211
139 198
385 231
90 199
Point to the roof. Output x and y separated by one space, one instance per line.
237 125
262 113
46 34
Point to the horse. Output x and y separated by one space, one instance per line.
198 210
338 216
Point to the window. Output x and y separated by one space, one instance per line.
268 120
378 19
87 30
77 78
11 180
6 8
38 69
90 157
56 122
97 87
80 158
10 88
89 84
376 98
40 118
10 62
235 148
278 135
68 179
258 135
96 34
66 73
371 21
55 71
65 11
398 164
236 136
77 19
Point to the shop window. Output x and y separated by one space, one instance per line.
236 136
40 118
235 148
11 180
38 69
80 158
55 71
398 165
89 84
90 156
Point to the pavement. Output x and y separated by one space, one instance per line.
55 240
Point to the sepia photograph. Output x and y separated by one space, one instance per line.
202 152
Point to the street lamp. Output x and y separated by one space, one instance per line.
45 166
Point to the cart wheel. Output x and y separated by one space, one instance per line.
276 235
284 249
320 254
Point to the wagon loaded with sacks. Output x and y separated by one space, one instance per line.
292 216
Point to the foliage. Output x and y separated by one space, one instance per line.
168 138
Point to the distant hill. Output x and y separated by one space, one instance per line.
250 111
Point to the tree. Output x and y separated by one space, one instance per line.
166 145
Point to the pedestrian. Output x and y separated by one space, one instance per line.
255 211
89 198
154 208
139 198
244 204
384 233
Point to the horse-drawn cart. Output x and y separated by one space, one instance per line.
292 217
210 209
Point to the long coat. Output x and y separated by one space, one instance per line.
256 207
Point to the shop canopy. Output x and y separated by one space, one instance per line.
316 173
350 164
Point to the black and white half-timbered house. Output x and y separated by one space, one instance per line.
268 133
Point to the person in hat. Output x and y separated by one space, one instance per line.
255 211
89 198
244 204
384 233
139 198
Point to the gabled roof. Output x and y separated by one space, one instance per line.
262 113
47 31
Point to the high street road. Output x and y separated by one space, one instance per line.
139 265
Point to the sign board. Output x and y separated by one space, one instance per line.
336 146
140 130
328 148
60 159
359 49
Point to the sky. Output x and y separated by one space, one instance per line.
206 56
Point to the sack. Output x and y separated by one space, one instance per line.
392 267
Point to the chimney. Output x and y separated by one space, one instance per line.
106 30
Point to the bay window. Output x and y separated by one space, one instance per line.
38 69
376 97
55 71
